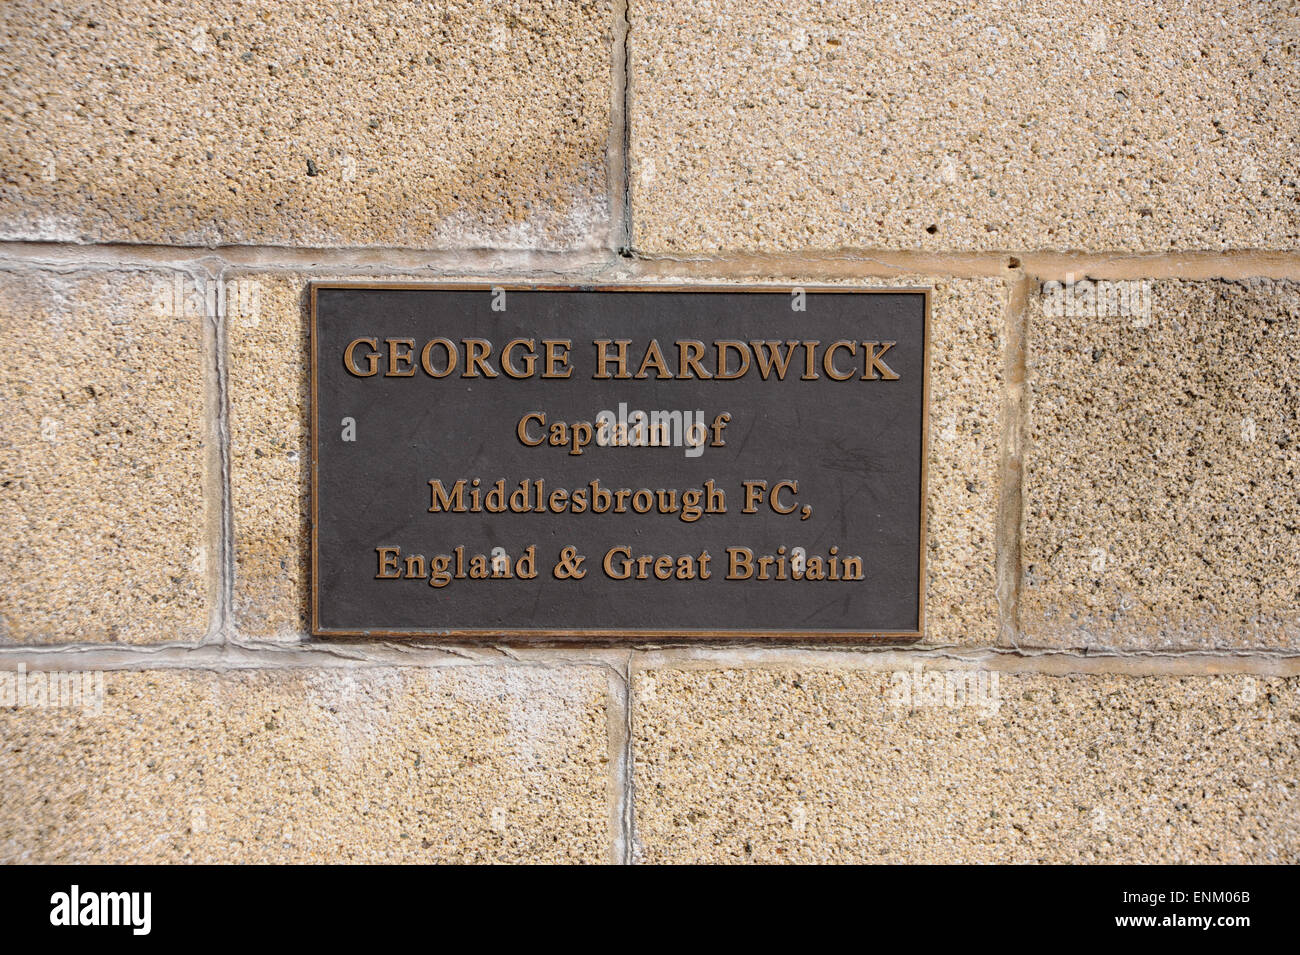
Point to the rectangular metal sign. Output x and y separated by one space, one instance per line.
618 463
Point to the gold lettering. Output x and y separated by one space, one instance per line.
776 491
372 359
828 360
557 357
395 355
622 571
522 428
530 358
440 500
603 359
477 352
740 563
809 360
388 569
740 348
767 356
654 356
871 361
689 354
426 357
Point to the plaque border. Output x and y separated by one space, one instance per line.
624 637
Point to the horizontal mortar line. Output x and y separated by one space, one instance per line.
272 656
267 655
1044 265
278 258
1229 265
1005 660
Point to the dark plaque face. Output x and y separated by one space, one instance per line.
603 463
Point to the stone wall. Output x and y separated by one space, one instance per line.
1110 665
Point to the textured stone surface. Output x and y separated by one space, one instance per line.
807 765
270 454
306 123
1161 508
105 534
947 125
377 765
966 378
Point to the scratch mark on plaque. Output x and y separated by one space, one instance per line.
745 440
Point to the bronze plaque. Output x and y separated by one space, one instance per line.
618 463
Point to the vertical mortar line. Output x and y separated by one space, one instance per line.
616 725
226 567
629 766
206 284
1011 459
622 839
619 157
